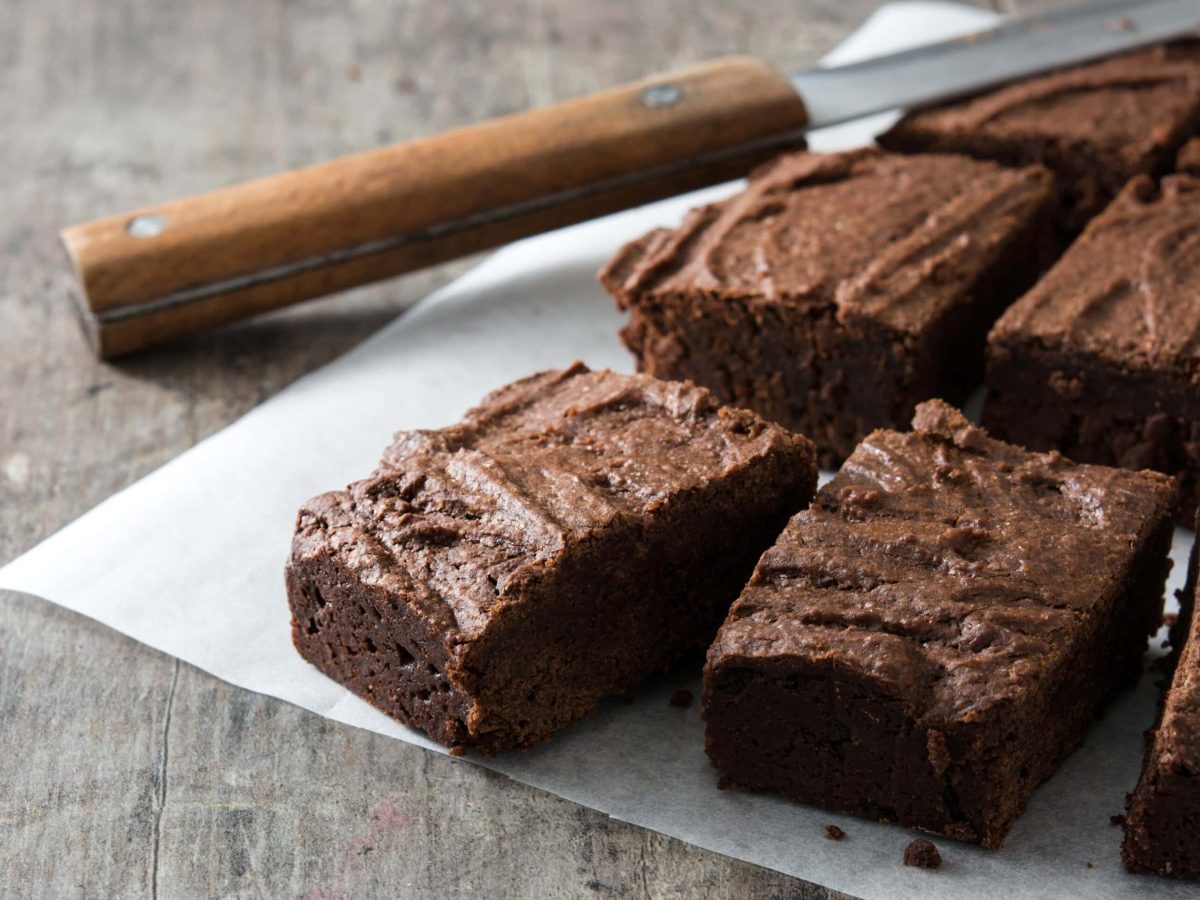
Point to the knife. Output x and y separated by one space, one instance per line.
153 274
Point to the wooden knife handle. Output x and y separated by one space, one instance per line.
165 271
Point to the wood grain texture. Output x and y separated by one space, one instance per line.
126 773
231 253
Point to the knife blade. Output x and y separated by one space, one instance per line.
161 272
1027 46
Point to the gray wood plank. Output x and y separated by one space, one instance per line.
135 775
127 773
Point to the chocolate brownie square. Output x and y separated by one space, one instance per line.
931 638
1162 821
837 291
1101 358
1095 126
492 581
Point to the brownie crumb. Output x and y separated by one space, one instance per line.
1090 866
1118 819
476 506
458 750
724 783
1169 619
922 854
833 833
681 699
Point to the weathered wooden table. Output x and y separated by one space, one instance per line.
124 772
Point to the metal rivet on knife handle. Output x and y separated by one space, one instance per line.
146 226
659 95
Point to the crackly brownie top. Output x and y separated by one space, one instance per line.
1127 290
895 239
457 520
1189 158
1128 105
950 568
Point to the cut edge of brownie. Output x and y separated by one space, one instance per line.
538 666
845 728
1162 813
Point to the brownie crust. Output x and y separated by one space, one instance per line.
838 290
1095 126
1101 359
931 638
1163 812
492 581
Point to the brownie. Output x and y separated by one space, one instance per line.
838 290
1095 126
1188 160
931 638
1101 359
492 581
1162 820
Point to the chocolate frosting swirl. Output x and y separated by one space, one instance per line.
953 567
457 520
890 239
1127 290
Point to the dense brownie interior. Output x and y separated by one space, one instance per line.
930 639
837 291
1095 126
1162 823
493 580
1101 358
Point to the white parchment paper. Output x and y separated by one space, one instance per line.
189 560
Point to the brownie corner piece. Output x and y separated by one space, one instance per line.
837 290
1163 812
1100 358
492 581
1095 126
932 636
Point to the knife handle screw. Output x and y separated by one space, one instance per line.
146 226
659 95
